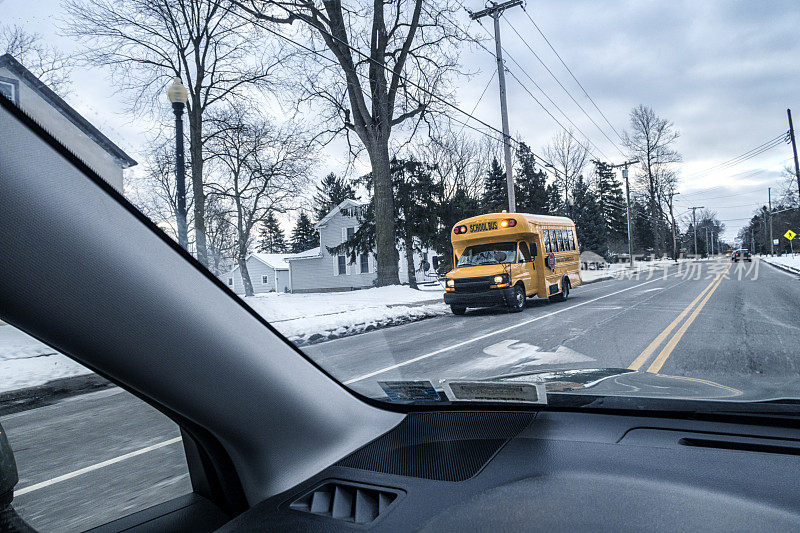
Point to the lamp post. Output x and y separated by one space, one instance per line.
178 95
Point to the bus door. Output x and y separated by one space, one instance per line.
526 268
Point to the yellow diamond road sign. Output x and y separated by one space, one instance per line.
790 235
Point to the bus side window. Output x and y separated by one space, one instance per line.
570 235
526 254
553 242
534 249
560 238
546 240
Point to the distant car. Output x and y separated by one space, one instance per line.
742 254
728 253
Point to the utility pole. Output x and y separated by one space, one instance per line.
495 11
694 225
769 199
794 151
672 217
625 166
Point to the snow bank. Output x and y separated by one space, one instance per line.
303 318
25 362
314 317
790 261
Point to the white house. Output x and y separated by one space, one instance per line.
317 270
268 273
80 137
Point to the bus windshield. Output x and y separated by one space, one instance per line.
488 254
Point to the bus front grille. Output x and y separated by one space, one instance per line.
473 284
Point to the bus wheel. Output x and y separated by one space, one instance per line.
458 309
517 302
564 294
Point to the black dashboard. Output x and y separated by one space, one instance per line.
512 471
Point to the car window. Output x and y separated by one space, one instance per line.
351 188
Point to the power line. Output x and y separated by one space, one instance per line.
573 75
546 96
753 152
528 46
483 93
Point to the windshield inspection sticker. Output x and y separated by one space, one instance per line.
491 391
410 391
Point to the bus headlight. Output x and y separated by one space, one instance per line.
451 283
499 279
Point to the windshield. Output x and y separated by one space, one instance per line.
488 254
318 165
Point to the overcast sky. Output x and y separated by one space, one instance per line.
723 71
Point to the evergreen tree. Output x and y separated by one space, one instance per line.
416 214
555 204
331 191
304 236
588 218
415 200
495 194
531 184
271 239
611 200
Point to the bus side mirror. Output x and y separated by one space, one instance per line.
534 249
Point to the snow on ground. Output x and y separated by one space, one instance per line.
313 317
791 261
25 362
303 318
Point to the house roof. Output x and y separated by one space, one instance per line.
7 61
276 261
333 212
308 254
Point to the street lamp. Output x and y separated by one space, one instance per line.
178 95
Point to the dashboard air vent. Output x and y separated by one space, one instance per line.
352 502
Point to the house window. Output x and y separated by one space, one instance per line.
230 282
342 265
364 263
9 89
350 233
264 279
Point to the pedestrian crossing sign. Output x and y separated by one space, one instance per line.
790 234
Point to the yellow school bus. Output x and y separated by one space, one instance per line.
504 258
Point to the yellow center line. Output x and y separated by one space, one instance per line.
659 361
645 355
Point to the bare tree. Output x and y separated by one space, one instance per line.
458 161
155 191
47 63
146 43
259 168
569 157
388 59
220 235
650 141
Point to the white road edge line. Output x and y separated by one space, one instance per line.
503 330
97 466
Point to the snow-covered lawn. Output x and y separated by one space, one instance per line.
303 318
25 362
313 317
788 260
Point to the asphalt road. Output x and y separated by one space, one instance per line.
730 324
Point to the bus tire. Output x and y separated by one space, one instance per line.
564 294
517 302
458 309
